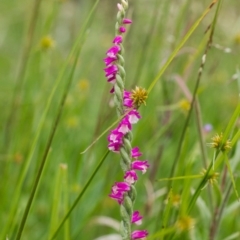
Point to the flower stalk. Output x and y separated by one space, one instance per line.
127 104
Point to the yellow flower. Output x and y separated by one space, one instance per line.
185 223
139 96
47 42
237 39
72 122
184 105
83 85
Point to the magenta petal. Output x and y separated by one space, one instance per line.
124 126
140 165
127 101
113 51
112 69
114 146
121 187
109 60
139 234
112 90
130 177
126 94
122 29
115 136
133 116
136 218
136 153
117 196
127 21
117 39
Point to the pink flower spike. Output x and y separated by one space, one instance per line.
124 126
139 234
140 165
127 21
136 153
122 29
133 116
120 187
136 218
130 177
117 39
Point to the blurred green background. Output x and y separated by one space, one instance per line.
34 46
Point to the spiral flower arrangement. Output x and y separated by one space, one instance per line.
127 104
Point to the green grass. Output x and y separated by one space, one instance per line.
55 102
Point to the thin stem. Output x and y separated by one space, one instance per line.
21 74
162 70
194 96
144 52
181 177
202 183
44 158
231 123
200 132
80 195
63 70
218 217
176 50
178 152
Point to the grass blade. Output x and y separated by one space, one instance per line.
79 196
174 53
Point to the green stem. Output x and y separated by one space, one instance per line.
49 143
176 50
231 174
181 177
23 173
21 74
55 202
231 123
79 196
202 183
65 200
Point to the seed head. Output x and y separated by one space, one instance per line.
139 96
227 145
176 198
185 223
218 144
212 178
